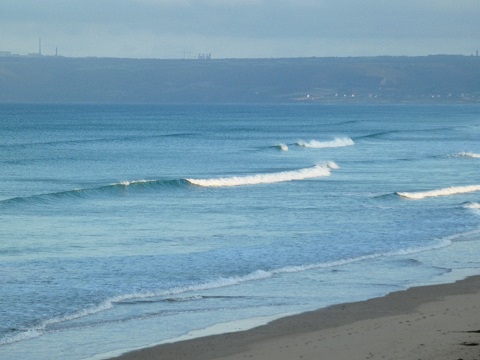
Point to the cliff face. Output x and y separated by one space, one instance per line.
325 80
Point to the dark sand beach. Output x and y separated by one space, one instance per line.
427 322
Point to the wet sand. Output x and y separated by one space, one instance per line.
428 322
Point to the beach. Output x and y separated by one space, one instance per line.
426 322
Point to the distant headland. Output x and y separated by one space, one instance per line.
35 78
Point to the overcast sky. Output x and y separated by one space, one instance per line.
240 28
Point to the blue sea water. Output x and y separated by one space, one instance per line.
126 226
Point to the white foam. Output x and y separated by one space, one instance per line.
128 183
445 242
337 142
437 245
469 155
282 147
24 335
42 328
223 282
472 206
214 284
261 274
440 192
307 173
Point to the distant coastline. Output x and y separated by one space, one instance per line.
369 80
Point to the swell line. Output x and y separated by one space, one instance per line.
301 174
85 192
116 188
95 140
377 134
439 192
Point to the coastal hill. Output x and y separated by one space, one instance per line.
53 79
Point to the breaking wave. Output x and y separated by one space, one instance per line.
132 298
92 191
337 142
281 147
121 187
440 192
307 173
472 206
468 155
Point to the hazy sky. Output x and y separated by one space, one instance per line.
240 28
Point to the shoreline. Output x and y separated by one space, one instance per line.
427 322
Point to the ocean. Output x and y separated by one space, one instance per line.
123 226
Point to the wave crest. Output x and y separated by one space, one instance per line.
337 142
440 192
281 147
472 206
221 282
307 173
468 155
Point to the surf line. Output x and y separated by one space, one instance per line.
455 190
269 178
337 142
468 155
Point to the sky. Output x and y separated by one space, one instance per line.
177 29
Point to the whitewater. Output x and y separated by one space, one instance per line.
127 226
469 155
454 190
337 142
302 174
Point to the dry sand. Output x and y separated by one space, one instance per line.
429 322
